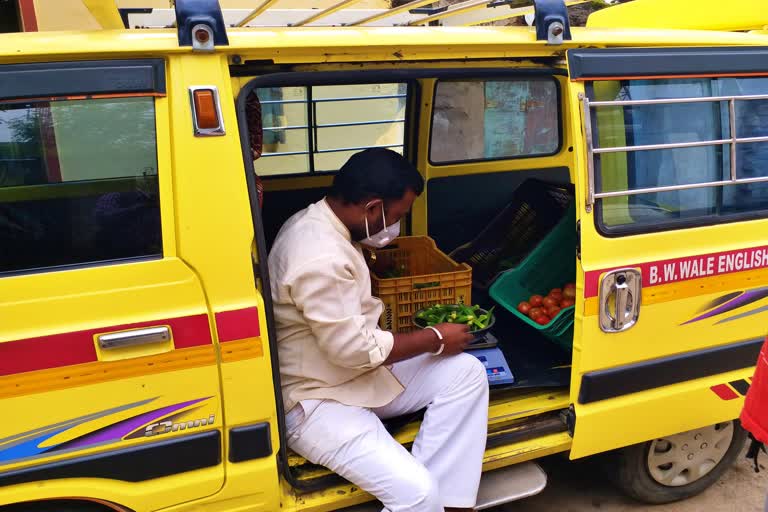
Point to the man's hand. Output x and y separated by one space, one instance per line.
456 337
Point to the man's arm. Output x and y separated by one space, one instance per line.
325 292
456 337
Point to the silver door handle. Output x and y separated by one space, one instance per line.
135 337
620 294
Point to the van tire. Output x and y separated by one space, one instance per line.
630 468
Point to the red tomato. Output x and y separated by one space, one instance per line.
555 290
566 303
542 320
569 286
536 300
556 294
534 312
548 302
569 293
553 311
524 307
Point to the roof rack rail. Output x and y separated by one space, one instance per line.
343 13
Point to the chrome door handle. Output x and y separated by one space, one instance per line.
135 337
620 293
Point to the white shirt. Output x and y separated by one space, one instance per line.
329 342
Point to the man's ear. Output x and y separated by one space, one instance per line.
373 203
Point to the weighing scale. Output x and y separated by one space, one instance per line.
496 367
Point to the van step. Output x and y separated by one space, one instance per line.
497 487
511 483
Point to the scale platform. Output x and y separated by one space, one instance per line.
496 366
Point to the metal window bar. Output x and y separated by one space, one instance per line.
341 98
313 128
332 150
733 140
334 125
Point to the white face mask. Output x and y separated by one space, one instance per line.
383 237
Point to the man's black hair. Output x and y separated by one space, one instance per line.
376 173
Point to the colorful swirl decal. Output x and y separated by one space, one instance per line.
32 443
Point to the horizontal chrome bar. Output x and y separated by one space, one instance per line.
281 102
651 147
663 101
361 123
334 150
287 153
673 188
359 98
673 145
333 125
357 148
283 128
134 337
750 140
330 100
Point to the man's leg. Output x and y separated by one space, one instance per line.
352 442
451 441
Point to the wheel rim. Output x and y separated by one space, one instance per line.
684 458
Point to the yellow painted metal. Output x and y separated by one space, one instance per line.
105 12
391 12
266 4
326 12
683 14
352 44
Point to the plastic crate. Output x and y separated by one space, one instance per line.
428 276
550 265
535 209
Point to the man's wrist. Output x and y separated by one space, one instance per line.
437 345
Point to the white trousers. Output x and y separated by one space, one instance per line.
444 466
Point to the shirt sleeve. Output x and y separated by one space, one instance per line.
327 295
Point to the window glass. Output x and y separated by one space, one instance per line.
317 129
694 122
78 182
490 120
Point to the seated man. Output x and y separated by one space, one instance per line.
341 374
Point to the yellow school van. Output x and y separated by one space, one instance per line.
145 169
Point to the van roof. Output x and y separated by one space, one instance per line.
356 44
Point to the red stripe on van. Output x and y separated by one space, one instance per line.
724 392
70 348
238 324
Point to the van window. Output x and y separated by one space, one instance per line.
78 182
494 119
316 129
707 191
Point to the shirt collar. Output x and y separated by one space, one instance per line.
339 226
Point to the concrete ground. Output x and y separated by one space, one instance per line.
576 487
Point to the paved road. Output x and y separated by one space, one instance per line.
574 487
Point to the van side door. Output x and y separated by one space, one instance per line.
674 216
108 367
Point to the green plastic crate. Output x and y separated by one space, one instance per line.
550 265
